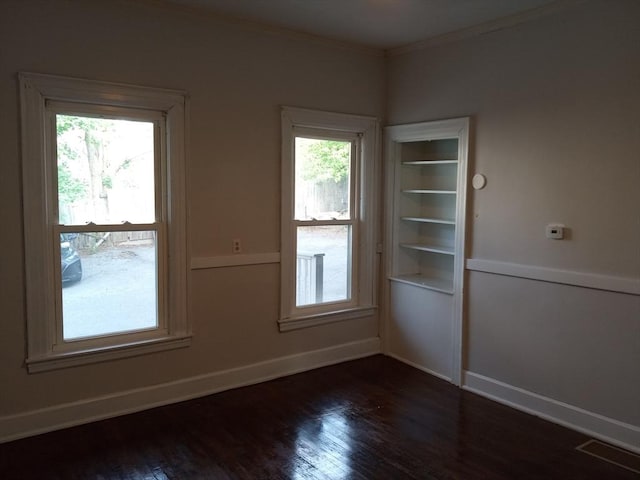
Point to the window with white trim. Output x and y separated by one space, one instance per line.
104 216
328 219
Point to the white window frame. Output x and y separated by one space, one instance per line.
42 96
363 131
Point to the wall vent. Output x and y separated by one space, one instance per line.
611 454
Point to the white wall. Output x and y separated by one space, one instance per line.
557 132
555 104
237 79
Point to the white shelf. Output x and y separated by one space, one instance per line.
437 284
422 163
425 230
445 192
428 248
429 220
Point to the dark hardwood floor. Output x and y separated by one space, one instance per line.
374 418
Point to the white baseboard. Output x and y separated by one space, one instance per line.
35 422
612 431
419 367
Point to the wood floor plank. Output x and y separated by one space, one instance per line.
373 418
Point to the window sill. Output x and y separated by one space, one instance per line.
296 323
57 361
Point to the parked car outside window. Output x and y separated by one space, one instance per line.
70 260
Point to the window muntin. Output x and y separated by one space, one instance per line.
153 208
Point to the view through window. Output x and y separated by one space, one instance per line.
107 209
324 220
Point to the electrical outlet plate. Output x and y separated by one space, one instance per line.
236 246
555 231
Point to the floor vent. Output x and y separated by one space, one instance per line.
612 454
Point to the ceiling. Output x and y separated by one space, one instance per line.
384 24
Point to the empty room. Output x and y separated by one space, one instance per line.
320 239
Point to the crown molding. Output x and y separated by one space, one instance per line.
486 27
252 25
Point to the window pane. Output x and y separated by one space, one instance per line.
109 283
323 265
322 176
105 170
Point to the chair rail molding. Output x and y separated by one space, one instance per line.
628 285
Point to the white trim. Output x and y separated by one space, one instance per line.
71 89
458 260
322 120
48 419
327 124
96 355
596 281
430 130
36 92
607 429
198 263
297 323
418 366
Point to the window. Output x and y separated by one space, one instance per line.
328 227
104 209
